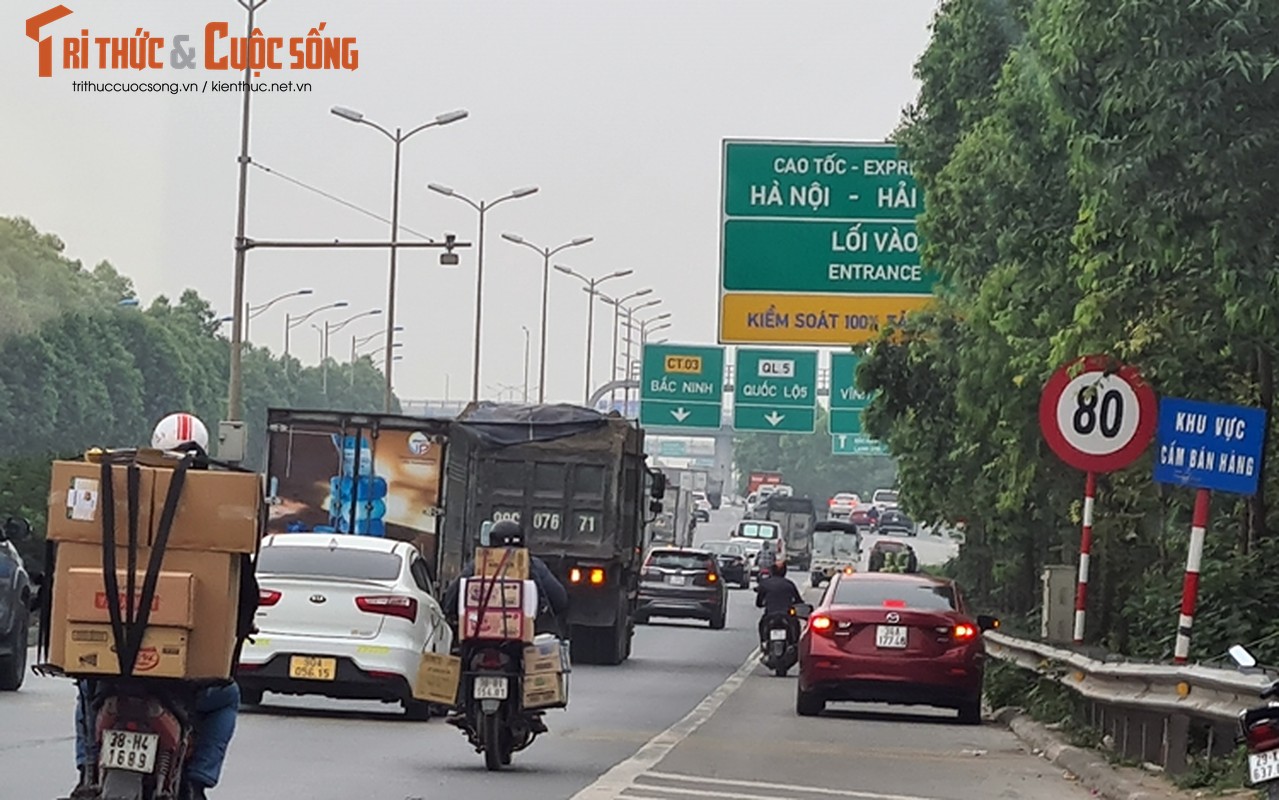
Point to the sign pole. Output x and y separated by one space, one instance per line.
1190 589
1085 551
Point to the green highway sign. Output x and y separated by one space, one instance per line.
682 386
775 391
846 402
821 234
856 444
669 447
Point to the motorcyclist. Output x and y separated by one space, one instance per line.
216 705
777 594
552 598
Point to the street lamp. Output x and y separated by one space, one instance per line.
481 207
526 341
617 304
591 291
332 328
254 311
130 302
546 253
398 138
630 338
291 322
360 341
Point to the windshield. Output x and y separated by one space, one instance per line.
835 544
323 562
725 548
673 560
750 530
895 594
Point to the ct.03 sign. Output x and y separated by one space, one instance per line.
1097 415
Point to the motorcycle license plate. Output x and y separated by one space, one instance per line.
1263 767
130 751
490 688
777 635
891 637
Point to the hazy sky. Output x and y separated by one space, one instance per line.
616 110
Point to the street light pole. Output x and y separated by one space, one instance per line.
617 304
290 323
526 342
398 138
591 292
332 328
482 208
235 396
256 311
546 254
630 324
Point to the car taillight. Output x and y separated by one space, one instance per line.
822 624
268 597
711 577
1262 735
393 605
963 633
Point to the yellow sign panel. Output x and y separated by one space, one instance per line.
817 319
688 365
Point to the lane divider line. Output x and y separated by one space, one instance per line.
623 774
761 785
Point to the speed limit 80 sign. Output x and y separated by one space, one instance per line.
1096 415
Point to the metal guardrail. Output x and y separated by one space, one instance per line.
1148 710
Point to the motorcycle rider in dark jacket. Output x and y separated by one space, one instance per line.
777 594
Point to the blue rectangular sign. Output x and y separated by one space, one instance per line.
1209 445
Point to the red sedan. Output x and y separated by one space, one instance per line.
890 638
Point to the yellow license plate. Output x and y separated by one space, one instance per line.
313 668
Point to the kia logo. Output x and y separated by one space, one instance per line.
319 598
893 616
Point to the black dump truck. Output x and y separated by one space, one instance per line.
578 481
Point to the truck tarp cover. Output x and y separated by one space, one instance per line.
506 425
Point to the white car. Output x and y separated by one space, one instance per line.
842 504
342 616
702 506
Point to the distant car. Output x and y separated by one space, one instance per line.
734 563
865 516
17 599
898 639
884 498
683 583
783 490
701 507
342 616
842 504
892 556
893 522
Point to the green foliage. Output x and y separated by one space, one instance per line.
806 463
78 370
1100 177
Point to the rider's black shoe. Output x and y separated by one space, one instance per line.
456 719
194 792
536 725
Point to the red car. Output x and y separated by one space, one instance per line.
891 638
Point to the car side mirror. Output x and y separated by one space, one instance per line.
987 623
658 489
803 610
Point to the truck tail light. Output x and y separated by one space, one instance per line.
575 575
593 575
392 605
597 576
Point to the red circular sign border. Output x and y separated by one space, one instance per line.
1125 456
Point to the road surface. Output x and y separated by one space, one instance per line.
689 716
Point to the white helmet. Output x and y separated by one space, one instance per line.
179 429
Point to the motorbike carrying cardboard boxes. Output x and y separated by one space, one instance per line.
213 604
438 677
510 625
502 562
546 654
493 608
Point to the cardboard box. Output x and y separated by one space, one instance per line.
216 579
91 650
218 511
545 657
438 677
172 606
488 559
546 690
75 503
509 625
507 594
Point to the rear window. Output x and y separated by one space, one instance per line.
895 594
750 531
323 562
670 560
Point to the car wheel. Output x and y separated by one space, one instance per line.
970 712
641 619
719 620
13 668
250 696
808 704
417 710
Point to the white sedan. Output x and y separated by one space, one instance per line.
342 616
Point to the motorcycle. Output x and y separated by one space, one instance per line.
144 735
1259 730
494 722
781 646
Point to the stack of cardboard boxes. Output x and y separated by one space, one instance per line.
191 631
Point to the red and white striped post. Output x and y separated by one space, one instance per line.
1190 588
1085 549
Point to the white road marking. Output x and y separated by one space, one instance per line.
774 791
622 775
